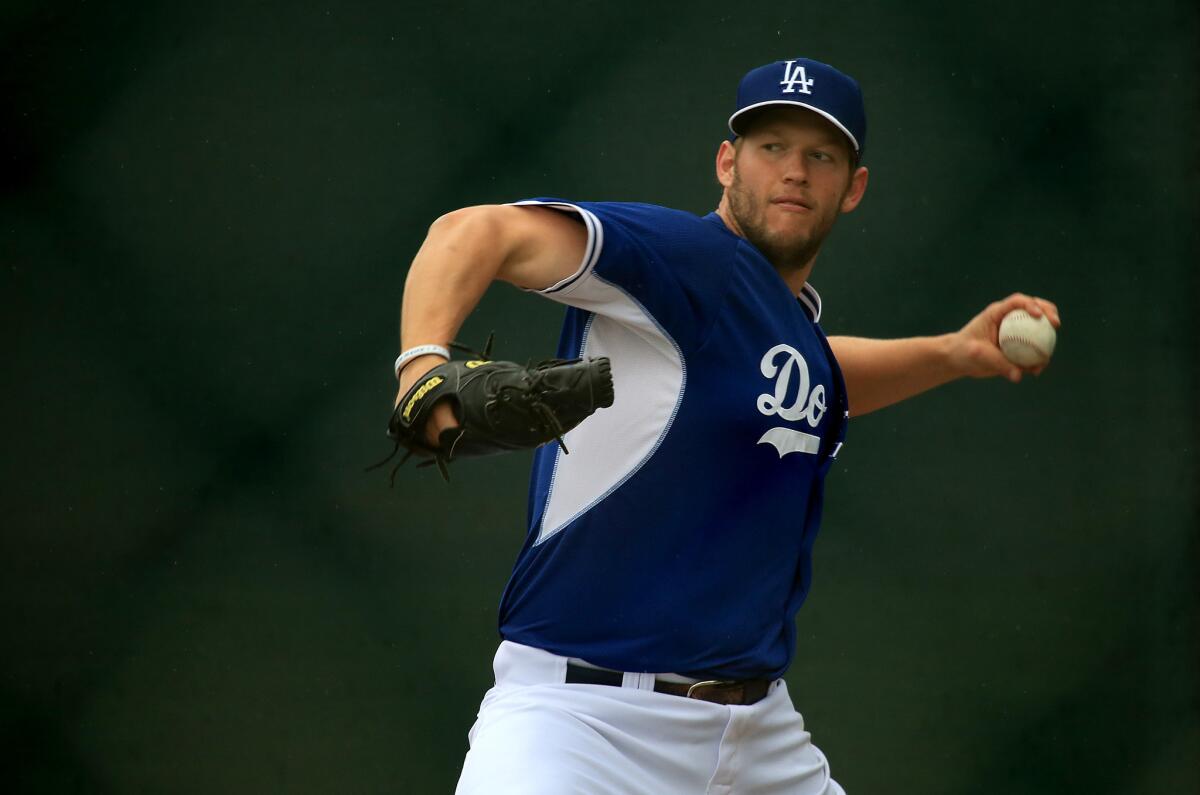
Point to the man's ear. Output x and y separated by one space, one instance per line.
858 186
726 155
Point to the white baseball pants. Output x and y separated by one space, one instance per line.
538 736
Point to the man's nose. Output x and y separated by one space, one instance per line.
796 169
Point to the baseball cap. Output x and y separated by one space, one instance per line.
805 83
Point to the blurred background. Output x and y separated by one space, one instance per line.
206 216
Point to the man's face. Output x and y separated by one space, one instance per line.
787 180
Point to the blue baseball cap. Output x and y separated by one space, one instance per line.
808 84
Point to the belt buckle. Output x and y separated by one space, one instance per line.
715 684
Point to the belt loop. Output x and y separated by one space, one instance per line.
638 681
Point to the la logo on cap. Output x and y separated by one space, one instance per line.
794 75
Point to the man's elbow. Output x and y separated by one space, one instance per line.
463 219
476 234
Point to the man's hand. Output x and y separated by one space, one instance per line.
497 406
879 373
442 417
974 350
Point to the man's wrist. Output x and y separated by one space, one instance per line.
952 355
416 369
417 352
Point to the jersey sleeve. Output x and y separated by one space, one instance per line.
645 266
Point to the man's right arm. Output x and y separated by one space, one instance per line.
463 253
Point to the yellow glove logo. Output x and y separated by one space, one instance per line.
471 365
420 393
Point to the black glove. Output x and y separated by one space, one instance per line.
500 406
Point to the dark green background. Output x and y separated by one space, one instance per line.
206 217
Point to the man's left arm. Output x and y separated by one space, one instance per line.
879 373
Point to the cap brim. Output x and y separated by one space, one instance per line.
824 114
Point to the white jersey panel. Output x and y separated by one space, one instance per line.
648 381
648 374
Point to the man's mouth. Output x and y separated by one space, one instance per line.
793 203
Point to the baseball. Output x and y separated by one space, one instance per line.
1026 340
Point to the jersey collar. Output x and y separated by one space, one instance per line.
811 301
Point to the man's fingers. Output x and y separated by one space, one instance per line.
1051 311
1032 304
1040 306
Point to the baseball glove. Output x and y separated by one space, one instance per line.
500 406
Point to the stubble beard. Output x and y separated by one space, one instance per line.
786 254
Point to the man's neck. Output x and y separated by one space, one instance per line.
795 278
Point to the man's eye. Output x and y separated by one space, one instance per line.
822 156
773 147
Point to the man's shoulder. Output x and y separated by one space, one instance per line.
700 249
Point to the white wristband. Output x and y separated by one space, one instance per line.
420 350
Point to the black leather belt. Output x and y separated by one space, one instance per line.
732 691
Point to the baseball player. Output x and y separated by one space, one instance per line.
650 615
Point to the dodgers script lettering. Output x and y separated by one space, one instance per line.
781 363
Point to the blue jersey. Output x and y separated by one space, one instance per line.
677 535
